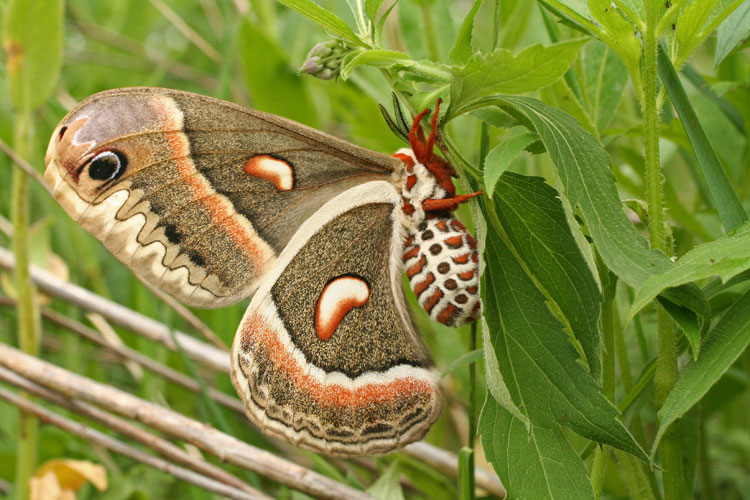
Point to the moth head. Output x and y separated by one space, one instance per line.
100 144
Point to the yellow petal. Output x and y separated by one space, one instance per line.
72 474
44 487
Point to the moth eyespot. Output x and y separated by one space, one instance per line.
107 166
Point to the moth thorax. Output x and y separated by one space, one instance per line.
417 185
441 262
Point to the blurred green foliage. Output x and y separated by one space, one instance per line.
249 51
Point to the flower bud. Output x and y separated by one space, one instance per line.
324 59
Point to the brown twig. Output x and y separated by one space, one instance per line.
110 443
176 69
6 227
199 351
145 54
187 315
161 446
5 487
423 453
154 366
134 63
213 358
177 425
446 462
186 30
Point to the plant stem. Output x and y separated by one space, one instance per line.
704 462
466 479
666 365
609 284
472 388
643 484
635 478
28 330
664 379
433 53
654 190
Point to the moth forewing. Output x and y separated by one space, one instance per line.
213 190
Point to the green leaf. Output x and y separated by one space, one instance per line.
577 7
500 71
732 31
372 7
431 482
604 80
577 17
726 257
464 360
501 156
377 58
723 345
536 464
560 95
619 34
732 384
689 23
495 117
727 141
727 108
539 364
724 196
328 20
32 40
687 322
461 50
387 486
584 170
284 93
495 384
534 220
381 22
697 21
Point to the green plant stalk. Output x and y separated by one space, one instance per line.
654 189
665 378
637 481
599 465
472 389
704 462
638 327
666 365
466 486
633 472
28 326
599 469
626 374
430 34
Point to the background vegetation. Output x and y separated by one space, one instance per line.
616 192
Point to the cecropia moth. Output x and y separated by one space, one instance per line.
213 202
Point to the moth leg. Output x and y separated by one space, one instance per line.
436 205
